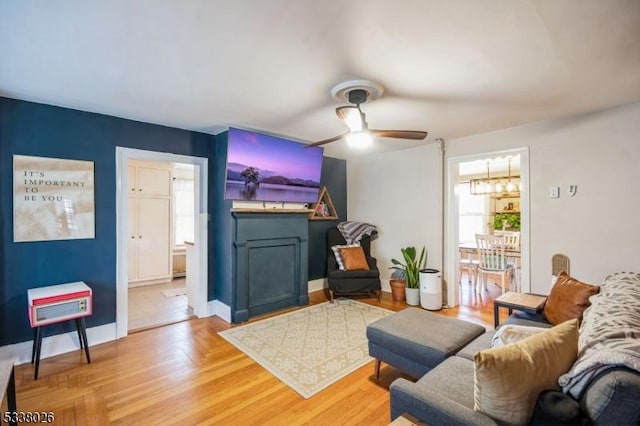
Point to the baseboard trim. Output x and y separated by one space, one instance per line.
216 307
317 284
321 284
59 344
135 284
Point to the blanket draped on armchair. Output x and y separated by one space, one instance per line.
354 231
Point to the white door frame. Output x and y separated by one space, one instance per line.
451 217
200 293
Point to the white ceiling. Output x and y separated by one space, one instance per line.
453 68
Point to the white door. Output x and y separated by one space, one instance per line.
132 238
152 181
154 238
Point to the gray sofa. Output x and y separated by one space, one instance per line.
444 395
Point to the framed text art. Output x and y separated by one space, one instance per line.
53 199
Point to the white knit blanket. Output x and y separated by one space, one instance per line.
609 334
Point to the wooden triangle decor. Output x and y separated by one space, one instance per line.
323 209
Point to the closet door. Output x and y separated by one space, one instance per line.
132 180
154 237
154 181
132 238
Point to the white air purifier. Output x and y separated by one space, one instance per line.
431 289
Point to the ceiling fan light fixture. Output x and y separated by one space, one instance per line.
357 92
359 139
352 117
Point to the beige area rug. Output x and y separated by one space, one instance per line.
173 292
311 348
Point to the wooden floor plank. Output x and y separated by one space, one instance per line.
186 373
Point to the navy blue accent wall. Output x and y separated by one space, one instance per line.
222 223
334 177
41 130
3 201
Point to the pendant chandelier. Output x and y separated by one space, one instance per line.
503 185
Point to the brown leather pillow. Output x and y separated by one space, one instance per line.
354 259
568 299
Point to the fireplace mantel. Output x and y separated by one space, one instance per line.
270 262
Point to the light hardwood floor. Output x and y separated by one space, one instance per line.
186 374
148 307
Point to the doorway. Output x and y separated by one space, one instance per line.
196 284
469 214
160 223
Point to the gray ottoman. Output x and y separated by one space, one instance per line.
415 341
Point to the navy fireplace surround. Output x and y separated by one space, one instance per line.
270 262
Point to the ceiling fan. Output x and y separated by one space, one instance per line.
357 92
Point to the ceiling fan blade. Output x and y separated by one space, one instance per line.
333 139
399 134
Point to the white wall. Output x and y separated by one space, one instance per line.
598 229
400 193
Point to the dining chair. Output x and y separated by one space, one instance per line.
492 259
511 239
469 262
512 244
559 264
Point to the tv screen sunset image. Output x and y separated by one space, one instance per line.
267 168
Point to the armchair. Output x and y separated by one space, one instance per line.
351 282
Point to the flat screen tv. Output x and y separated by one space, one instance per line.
267 168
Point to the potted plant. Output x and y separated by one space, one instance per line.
507 221
411 268
397 283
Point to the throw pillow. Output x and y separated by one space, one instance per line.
336 253
507 380
556 408
512 333
354 259
568 299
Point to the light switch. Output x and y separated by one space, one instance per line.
554 191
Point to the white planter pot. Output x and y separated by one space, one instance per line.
431 289
412 296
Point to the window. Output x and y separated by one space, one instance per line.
473 214
183 205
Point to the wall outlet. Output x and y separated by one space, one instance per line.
572 190
554 191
